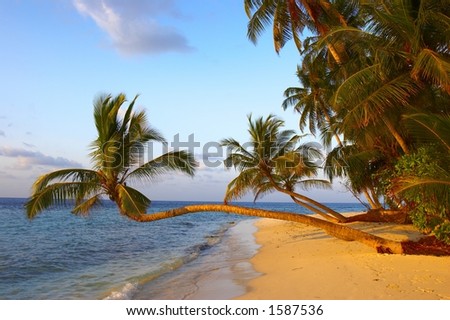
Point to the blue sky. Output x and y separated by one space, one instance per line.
190 61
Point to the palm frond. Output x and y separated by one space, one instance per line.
246 181
406 183
181 161
140 131
234 146
259 18
85 206
430 128
308 184
432 67
264 188
240 161
131 202
428 187
75 175
57 194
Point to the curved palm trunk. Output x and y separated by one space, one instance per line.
313 209
326 210
333 229
372 199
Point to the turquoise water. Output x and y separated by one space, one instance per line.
62 256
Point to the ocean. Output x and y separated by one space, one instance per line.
107 256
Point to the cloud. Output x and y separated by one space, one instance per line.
29 145
2 133
26 159
133 26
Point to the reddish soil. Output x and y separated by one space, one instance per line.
429 246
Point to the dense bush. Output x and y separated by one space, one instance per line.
428 203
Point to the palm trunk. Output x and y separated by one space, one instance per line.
309 201
336 136
396 135
339 231
371 197
373 201
338 54
327 211
313 209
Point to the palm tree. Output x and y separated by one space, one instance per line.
117 157
404 50
339 231
273 161
400 65
311 100
289 18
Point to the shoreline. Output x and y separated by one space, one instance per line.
220 273
302 262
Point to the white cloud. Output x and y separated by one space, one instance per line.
26 159
133 25
2 133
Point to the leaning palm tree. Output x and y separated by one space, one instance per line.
273 161
117 157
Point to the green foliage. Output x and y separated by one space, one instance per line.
379 83
272 159
429 203
116 155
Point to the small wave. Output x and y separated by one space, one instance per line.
132 288
126 293
213 240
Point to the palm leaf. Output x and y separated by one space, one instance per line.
246 181
55 194
131 202
80 175
235 147
259 18
264 188
308 184
438 188
430 128
85 206
181 161
434 67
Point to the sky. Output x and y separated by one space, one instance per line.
196 73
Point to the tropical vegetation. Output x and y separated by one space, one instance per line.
375 78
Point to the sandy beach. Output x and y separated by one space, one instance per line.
302 262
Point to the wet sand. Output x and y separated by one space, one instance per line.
221 272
